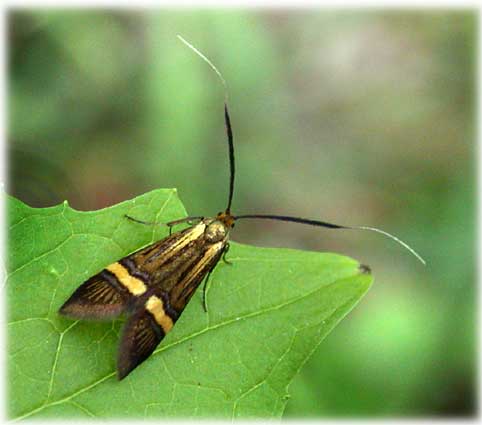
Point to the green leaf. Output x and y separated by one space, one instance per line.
268 311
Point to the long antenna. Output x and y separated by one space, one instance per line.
331 226
227 121
229 133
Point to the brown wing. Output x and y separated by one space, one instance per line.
140 337
146 328
100 297
154 283
118 287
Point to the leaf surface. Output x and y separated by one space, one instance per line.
268 311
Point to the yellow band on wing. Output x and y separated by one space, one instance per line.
134 285
155 306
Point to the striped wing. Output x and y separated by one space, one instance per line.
153 285
121 286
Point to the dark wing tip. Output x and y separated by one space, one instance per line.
140 337
95 299
73 308
67 309
127 361
122 372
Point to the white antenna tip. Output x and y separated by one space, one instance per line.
405 245
205 58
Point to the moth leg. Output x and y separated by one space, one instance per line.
224 255
205 290
188 220
147 223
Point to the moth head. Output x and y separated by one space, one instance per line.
216 231
226 218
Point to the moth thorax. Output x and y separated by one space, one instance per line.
215 232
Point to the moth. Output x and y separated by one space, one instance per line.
153 285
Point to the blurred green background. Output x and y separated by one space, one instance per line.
357 117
